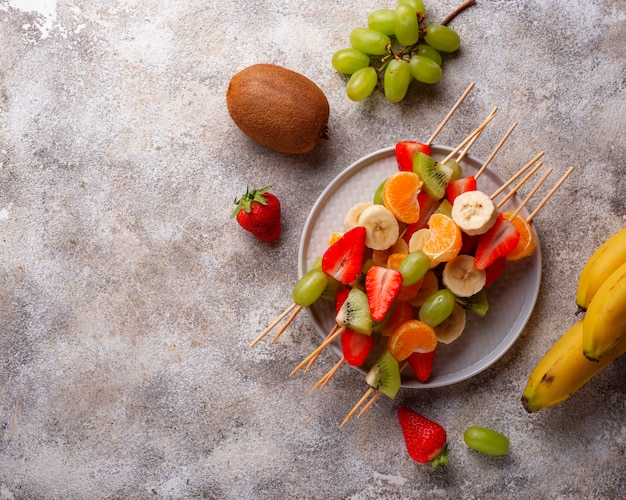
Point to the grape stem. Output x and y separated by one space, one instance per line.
457 11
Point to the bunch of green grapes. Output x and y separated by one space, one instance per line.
396 47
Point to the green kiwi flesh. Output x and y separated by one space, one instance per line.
477 303
355 313
384 375
434 175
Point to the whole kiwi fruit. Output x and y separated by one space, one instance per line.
278 108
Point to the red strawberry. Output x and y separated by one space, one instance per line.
405 151
356 346
422 364
501 238
459 186
340 298
426 441
495 269
344 259
259 212
382 286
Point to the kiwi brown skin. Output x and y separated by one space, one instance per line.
278 108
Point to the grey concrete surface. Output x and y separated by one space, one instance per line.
128 296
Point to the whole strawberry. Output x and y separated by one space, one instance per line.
258 211
426 441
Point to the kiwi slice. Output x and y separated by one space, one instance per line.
434 175
477 303
384 375
445 208
457 170
355 313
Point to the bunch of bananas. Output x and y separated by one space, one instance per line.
592 342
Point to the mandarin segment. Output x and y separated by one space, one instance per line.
411 336
527 239
400 196
445 238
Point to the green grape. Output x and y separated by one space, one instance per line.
349 60
423 49
442 38
362 83
382 21
424 70
457 169
378 194
309 287
396 80
486 440
369 41
407 27
413 267
416 5
437 307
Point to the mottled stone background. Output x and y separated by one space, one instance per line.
128 296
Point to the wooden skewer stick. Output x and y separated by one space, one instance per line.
287 323
327 341
550 193
314 358
520 184
530 195
321 383
478 130
269 328
517 174
450 113
463 153
357 406
495 151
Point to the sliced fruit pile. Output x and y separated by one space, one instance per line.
411 264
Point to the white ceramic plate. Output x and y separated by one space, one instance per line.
511 298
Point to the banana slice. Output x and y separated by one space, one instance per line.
351 220
452 327
462 278
474 212
418 239
382 229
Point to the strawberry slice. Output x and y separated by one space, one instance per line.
428 206
405 151
356 346
340 298
495 269
343 260
382 286
459 186
426 441
422 364
501 238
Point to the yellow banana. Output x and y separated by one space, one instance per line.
563 370
605 319
606 259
